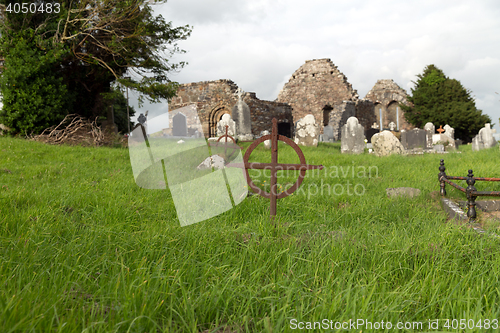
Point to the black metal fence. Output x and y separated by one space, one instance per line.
471 192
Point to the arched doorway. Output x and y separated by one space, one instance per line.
215 115
393 113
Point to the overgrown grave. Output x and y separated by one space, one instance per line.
471 194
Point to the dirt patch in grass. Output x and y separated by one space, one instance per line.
489 220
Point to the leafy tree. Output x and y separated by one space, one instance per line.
438 99
34 96
77 51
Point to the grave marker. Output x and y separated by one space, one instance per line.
179 125
352 137
274 166
415 138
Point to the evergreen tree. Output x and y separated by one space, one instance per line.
440 100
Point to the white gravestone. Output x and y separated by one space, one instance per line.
242 118
430 129
226 121
307 131
267 143
450 131
352 137
484 139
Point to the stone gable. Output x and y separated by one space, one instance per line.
317 88
387 96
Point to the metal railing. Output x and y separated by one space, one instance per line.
471 192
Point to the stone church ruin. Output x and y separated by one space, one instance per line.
317 88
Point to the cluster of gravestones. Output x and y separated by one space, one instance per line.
415 141
240 126
353 139
484 139
353 136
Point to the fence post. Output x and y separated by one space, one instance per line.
442 175
471 212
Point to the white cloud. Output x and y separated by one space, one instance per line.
259 43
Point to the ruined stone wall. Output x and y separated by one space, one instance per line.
339 116
315 85
316 88
215 98
365 112
263 112
387 95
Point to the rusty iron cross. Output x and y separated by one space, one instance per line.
440 129
233 146
274 166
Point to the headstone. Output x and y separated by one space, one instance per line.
458 142
267 143
450 131
385 143
439 148
141 119
409 192
430 129
445 140
328 134
484 139
392 126
242 119
307 131
352 137
226 121
179 125
214 161
415 138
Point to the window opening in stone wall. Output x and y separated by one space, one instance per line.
326 114
285 129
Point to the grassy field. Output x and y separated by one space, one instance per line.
84 249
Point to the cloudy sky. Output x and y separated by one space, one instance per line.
259 43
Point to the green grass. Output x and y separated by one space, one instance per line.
82 248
